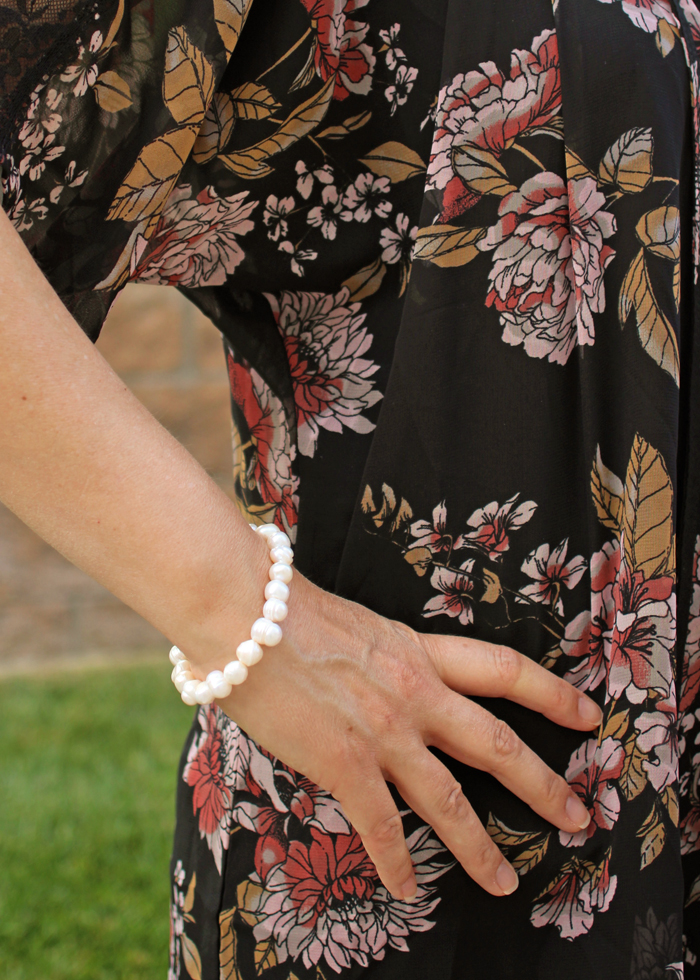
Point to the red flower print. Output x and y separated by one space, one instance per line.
205 774
326 341
590 774
491 526
690 678
588 636
548 264
272 472
339 46
643 636
455 597
484 109
550 574
325 901
571 900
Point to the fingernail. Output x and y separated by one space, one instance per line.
577 812
409 890
506 878
589 711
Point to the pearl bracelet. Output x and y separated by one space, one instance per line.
265 632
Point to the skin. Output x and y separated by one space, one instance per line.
349 698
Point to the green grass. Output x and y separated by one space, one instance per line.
87 779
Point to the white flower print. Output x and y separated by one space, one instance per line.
455 593
324 216
550 574
85 73
432 536
365 197
397 94
393 54
305 179
23 214
298 256
275 215
397 245
71 179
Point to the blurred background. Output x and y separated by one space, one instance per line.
91 729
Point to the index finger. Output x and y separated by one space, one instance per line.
480 669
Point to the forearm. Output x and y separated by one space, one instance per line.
86 466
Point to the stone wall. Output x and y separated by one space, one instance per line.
171 357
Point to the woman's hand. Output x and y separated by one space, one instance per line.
351 699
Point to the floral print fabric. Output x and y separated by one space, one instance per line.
452 249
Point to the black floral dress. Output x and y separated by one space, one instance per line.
452 248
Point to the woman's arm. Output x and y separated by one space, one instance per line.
348 698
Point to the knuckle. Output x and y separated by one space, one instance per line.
506 744
562 699
555 788
408 678
452 805
386 832
507 664
486 857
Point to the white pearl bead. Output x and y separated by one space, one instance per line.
279 540
277 590
281 573
183 665
235 672
187 692
268 530
253 527
203 694
265 632
276 610
285 555
249 653
182 679
218 683
176 656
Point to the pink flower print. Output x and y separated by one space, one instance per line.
658 734
492 524
646 14
397 245
548 264
484 109
397 94
590 774
272 472
550 574
393 54
339 46
325 216
432 536
588 637
325 903
570 902
366 197
275 216
305 180
196 240
643 637
690 678
326 341
456 590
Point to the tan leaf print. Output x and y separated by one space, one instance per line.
253 101
216 129
447 245
395 161
230 16
656 334
112 92
647 518
299 123
146 187
188 82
